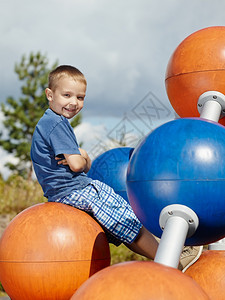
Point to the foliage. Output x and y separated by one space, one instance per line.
16 194
76 121
1 289
122 253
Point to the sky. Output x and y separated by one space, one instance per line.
122 47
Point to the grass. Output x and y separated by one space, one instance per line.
2 292
16 194
122 253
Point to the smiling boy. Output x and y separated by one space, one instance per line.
61 166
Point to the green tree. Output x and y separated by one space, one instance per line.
21 115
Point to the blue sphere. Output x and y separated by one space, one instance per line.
181 162
111 168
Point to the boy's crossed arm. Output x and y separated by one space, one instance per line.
77 163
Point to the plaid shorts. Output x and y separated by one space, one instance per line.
109 209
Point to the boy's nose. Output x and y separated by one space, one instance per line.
73 101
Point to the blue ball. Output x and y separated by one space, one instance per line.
181 162
111 168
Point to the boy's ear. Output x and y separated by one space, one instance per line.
48 93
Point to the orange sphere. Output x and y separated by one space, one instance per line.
48 250
196 66
209 273
139 280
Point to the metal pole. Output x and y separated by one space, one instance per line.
211 111
211 105
177 222
172 242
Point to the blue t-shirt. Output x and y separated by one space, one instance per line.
54 136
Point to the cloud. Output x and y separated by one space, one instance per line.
5 157
122 46
96 139
89 134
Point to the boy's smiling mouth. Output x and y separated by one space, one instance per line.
70 109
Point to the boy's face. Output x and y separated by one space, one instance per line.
68 97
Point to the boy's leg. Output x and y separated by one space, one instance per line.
145 244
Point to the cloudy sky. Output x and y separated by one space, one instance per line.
122 47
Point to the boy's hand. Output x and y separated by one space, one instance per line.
61 161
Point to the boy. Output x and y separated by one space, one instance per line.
61 166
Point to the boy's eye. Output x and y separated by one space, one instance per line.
80 98
67 95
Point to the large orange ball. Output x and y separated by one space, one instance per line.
196 66
209 273
48 250
139 280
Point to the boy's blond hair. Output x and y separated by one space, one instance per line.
64 70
